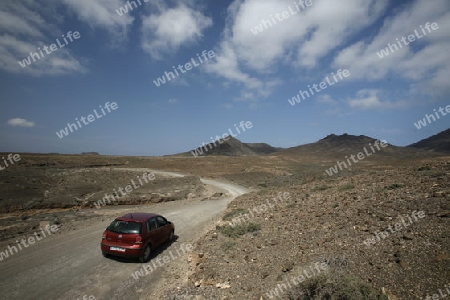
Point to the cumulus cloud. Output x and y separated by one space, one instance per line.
309 34
368 99
424 61
101 14
326 99
298 41
18 122
339 26
227 65
166 31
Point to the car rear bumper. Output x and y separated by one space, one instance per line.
124 251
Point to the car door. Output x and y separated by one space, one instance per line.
156 233
165 228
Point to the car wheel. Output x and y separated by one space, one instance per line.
105 254
146 255
170 236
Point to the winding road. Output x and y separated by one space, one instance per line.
70 265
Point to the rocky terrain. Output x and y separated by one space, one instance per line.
328 220
31 195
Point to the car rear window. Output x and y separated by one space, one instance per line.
125 227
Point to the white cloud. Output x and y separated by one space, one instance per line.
368 99
28 18
425 59
260 52
227 65
166 31
245 96
102 14
13 50
16 25
339 26
311 33
26 26
18 122
326 99
179 81
299 40
334 112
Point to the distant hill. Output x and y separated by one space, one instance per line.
339 146
262 148
436 143
232 147
331 147
90 153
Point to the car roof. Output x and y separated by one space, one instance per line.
137 217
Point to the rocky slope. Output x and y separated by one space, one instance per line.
437 143
328 221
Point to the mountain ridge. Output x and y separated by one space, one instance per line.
331 145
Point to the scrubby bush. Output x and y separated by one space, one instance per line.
394 186
234 212
238 230
335 286
320 188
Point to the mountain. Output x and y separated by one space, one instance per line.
437 143
338 146
232 147
331 147
262 148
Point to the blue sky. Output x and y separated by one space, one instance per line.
251 77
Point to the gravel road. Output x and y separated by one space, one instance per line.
70 265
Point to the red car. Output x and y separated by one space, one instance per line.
136 235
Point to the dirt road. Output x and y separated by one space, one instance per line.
70 265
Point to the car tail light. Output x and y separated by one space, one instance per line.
138 240
104 236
